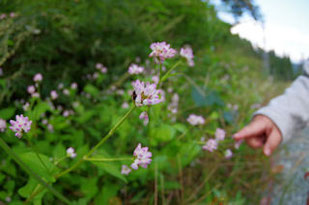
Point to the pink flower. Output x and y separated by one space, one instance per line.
146 94
2 16
162 51
187 53
99 66
2 125
195 120
135 69
12 15
211 145
26 106
53 94
155 79
22 124
31 89
142 157
35 95
125 105
238 143
66 92
228 154
74 86
38 77
71 152
220 134
125 170
1 72
144 116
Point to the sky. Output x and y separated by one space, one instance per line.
286 27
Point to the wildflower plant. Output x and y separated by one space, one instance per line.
147 94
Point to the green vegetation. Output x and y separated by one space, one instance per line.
64 40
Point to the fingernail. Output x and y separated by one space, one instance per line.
267 151
235 136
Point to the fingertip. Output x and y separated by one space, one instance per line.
267 151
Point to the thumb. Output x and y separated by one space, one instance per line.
273 140
256 127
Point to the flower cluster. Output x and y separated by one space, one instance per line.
142 157
22 124
195 120
220 134
125 170
146 94
162 51
135 69
187 53
101 67
2 125
211 145
71 152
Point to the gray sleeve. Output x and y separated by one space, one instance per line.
290 111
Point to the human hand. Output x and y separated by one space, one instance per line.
261 133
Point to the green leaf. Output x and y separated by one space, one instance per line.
163 133
111 169
31 159
205 98
92 90
108 191
38 110
7 113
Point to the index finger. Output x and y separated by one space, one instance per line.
256 127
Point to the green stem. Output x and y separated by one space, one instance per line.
168 72
107 159
109 134
12 154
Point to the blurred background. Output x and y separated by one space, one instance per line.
246 52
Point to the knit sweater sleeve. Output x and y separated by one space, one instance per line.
290 111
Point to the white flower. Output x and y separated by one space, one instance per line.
71 152
125 170
228 154
195 120
238 143
135 69
60 86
